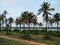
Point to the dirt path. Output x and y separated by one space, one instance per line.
24 41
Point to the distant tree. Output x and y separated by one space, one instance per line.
10 22
34 21
57 19
27 19
51 21
17 22
45 8
40 24
4 14
24 18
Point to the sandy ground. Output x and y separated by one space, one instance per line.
24 41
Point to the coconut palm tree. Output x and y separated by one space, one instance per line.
40 24
30 17
34 21
4 14
20 22
17 22
57 19
24 18
51 21
45 8
10 22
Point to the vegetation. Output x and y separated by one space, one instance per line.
26 19
45 8
9 42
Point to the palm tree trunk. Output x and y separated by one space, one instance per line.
29 26
46 30
57 27
33 26
20 26
24 28
7 30
29 32
10 27
0 25
16 26
51 27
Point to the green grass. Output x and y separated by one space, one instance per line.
9 42
55 39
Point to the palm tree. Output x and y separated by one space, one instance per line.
57 19
4 15
24 18
34 21
30 18
51 21
40 24
45 8
20 22
17 22
10 22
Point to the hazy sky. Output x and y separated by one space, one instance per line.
15 7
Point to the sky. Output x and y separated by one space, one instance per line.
16 7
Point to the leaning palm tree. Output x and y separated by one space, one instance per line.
57 19
45 8
10 22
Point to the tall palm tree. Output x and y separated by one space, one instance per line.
45 8
10 22
57 19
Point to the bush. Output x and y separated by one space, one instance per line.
16 30
24 36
